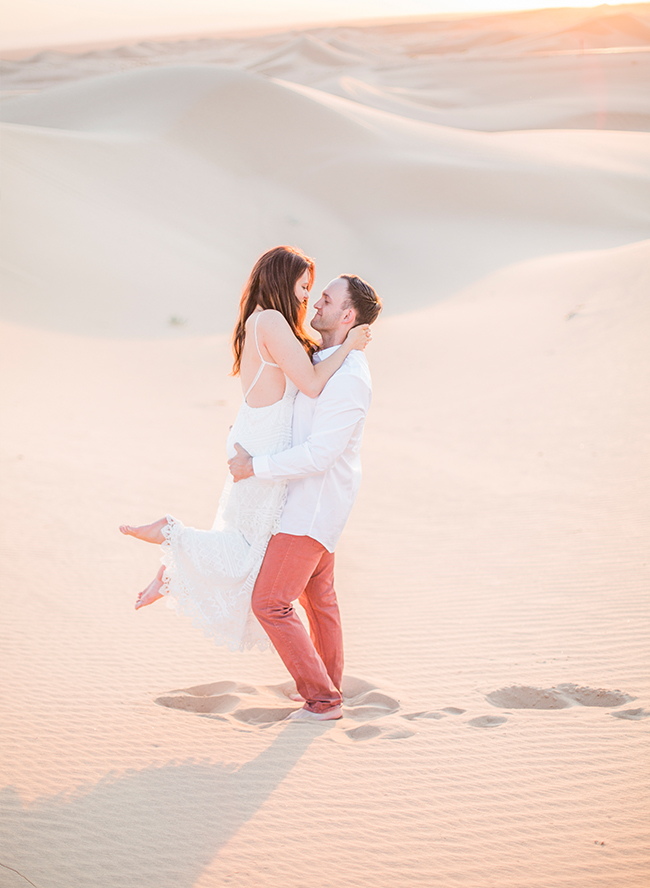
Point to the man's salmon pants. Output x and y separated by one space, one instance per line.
299 567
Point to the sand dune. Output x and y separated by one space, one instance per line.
553 92
485 175
191 190
519 71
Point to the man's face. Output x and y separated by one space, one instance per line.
331 307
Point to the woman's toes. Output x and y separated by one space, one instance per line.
140 600
149 595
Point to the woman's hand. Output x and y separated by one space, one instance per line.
359 337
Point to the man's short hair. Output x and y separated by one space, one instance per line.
363 298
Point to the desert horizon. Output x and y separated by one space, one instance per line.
489 175
20 35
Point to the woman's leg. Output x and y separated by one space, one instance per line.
152 592
150 533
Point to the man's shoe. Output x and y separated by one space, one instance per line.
306 715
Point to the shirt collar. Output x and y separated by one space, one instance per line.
325 353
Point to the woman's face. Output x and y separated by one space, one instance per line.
302 288
301 291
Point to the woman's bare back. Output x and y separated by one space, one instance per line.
269 386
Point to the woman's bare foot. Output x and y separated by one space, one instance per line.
152 592
150 533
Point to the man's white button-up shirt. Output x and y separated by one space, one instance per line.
324 464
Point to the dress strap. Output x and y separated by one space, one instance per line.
263 363
257 345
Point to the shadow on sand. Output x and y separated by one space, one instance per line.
155 828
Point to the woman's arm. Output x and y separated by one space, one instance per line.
286 351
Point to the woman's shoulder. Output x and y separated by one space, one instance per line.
269 320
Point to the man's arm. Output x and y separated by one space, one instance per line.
342 404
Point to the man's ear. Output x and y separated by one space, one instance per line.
349 317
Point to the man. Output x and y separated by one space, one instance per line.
323 468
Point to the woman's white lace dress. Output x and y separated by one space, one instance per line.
209 574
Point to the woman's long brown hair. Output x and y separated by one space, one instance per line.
272 284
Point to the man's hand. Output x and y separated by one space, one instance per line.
241 466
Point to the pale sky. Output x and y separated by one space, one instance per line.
47 22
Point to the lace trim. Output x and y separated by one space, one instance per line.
210 615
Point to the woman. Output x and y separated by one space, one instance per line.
210 574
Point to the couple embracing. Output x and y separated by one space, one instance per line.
294 458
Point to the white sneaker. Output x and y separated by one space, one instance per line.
307 715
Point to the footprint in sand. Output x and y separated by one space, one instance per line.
632 714
487 721
221 697
364 702
261 715
411 716
245 706
527 698
594 697
218 697
364 732
371 705
560 697
434 714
